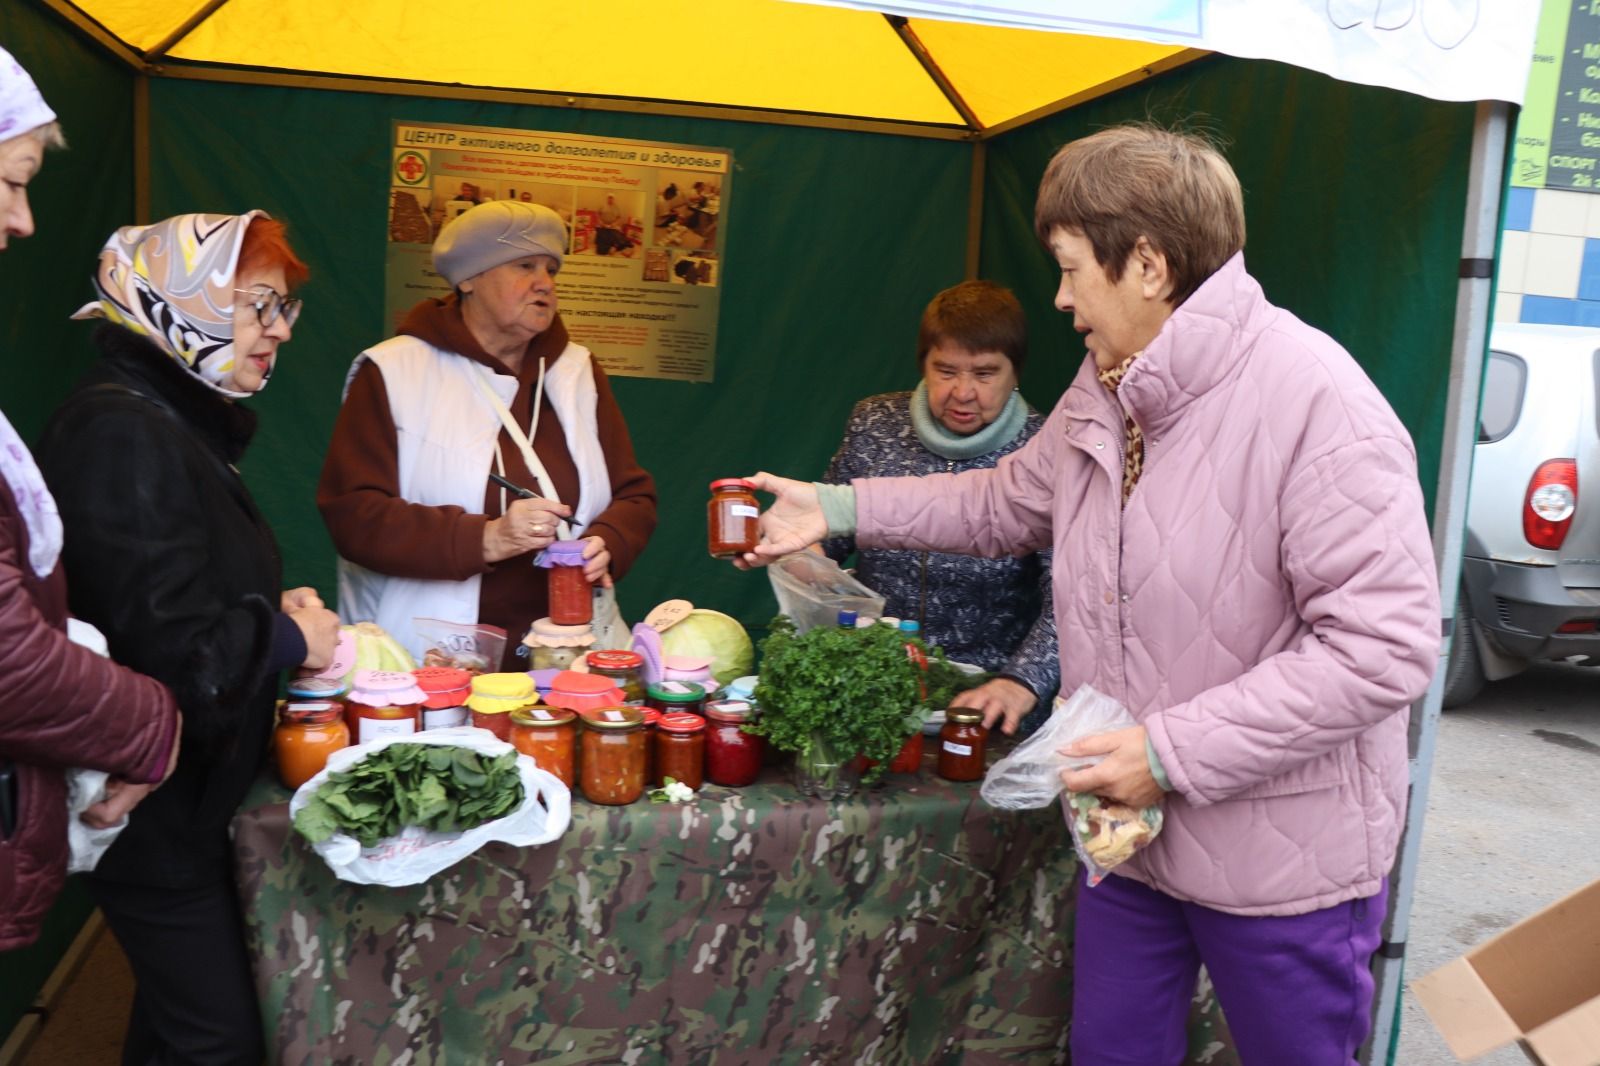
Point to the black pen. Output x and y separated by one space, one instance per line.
513 488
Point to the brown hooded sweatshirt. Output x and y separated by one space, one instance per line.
372 526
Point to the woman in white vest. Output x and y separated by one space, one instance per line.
483 382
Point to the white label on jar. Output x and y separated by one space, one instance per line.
957 749
373 728
744 510
443 717
615 716
674 686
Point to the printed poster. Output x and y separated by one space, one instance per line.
641 283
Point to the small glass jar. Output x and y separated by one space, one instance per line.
554 647
582 692
613 743
383 703
733 757
681 749
622 667
961 744
548 736
571 595
652 718
495 696
307 688
667 696
307 734
732 518
445 690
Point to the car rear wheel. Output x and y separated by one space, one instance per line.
1463 674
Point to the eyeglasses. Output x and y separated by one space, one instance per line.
270 303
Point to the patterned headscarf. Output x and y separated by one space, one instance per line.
172 282
21 107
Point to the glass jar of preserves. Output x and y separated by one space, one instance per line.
582 692
571 595
495 696
652 718
548 736
666 696
307 734
383 703
733 757
613 758
681 749
622 667
961 744
445 690
553 647
732 526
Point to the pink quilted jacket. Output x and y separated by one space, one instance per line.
1266 605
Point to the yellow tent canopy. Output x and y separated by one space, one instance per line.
776 61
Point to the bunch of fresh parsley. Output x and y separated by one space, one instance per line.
429 785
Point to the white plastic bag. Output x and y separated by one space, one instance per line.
1105 834
414 854
812 590
85 843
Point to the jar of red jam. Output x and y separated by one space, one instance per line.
667 696
495 696
733 757
961 745
622 667
732 526
613 756
445 690
681 749
308 732
571 595
383 703
548 736
652 718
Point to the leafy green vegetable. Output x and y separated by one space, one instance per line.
434 786
946 682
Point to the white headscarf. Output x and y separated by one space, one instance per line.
21 107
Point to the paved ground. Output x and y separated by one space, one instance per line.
1513 823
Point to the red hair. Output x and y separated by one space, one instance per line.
266 246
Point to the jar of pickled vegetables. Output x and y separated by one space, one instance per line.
308 732
732 526
622 667
681 749
495 696
445 690
548 736
961 745
733 757
667 696
555 647
571 596
613 756
383 703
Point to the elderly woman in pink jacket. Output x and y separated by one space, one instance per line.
1241 557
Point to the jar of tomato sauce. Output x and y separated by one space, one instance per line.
668 696
961 745
681 749
733 757
383 703
571 595
548 736
613 756
731 518
495 696
622 667
445 690
652 719
307 734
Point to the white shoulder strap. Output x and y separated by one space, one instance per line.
540 475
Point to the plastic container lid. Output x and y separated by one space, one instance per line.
847 619
742 688
681 722
385 688
444 686
677 692
311 712
910 625
541 716
729 711
317 688
614 660
562 553
618 717
732 483
686 664
500 693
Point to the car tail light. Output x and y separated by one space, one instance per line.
1582 625
1552 498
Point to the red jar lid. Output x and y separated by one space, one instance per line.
651 715
681 722
733 483
614 660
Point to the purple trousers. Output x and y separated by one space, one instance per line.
1296 991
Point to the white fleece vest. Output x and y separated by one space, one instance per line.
446 432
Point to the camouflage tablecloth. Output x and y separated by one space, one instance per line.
911 924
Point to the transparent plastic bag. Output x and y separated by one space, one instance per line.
476 649
812 590
1105 834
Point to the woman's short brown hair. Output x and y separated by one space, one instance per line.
1174 189
978 316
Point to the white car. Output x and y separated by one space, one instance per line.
1530 571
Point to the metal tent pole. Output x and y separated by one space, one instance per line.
1485 183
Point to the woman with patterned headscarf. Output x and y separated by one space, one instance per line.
65 706
168 555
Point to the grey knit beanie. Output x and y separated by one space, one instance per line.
497 232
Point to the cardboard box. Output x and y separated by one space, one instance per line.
1537 983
